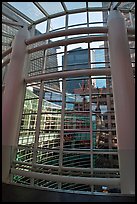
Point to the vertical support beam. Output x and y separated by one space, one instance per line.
12 100
62 128
91 131
63 106
124 99
41 92
90 105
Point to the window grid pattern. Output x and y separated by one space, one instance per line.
82 105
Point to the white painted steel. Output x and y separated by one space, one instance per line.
124 99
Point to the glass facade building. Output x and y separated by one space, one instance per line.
68 74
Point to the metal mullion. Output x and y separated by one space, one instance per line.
51 113
80 24
62 128
74 169
18 12
73 31
37 132
97 22
132 6
65 74
41 8
69 12
10 15
37 126
71 41
99 48
64 7
115 5
63 106
91 131
90 108
75 151
104 130
41 20
67 179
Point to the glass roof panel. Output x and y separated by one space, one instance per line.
58 22
106 4
94 4
28 9
126 5
52 7
41 27
75 5
95 16
77 18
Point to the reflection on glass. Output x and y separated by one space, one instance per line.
105 161
48 158
76 160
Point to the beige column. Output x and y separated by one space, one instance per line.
124 99
12 100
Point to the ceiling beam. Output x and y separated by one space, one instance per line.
41 9
18 12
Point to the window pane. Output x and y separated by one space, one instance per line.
78 18
57 23
95 17
94 4
75 5
41 27
28 9
52 7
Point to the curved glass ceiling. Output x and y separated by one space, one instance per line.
52 7
75 5
37 10
29 9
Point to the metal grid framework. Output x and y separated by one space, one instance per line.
66 141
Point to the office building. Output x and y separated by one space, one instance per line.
76 59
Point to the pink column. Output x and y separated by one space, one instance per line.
124 99
12 100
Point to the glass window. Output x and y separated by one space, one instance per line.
28 9
41 27
75 5
95 17
94 4
126 5
52 7
57 23
78 18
